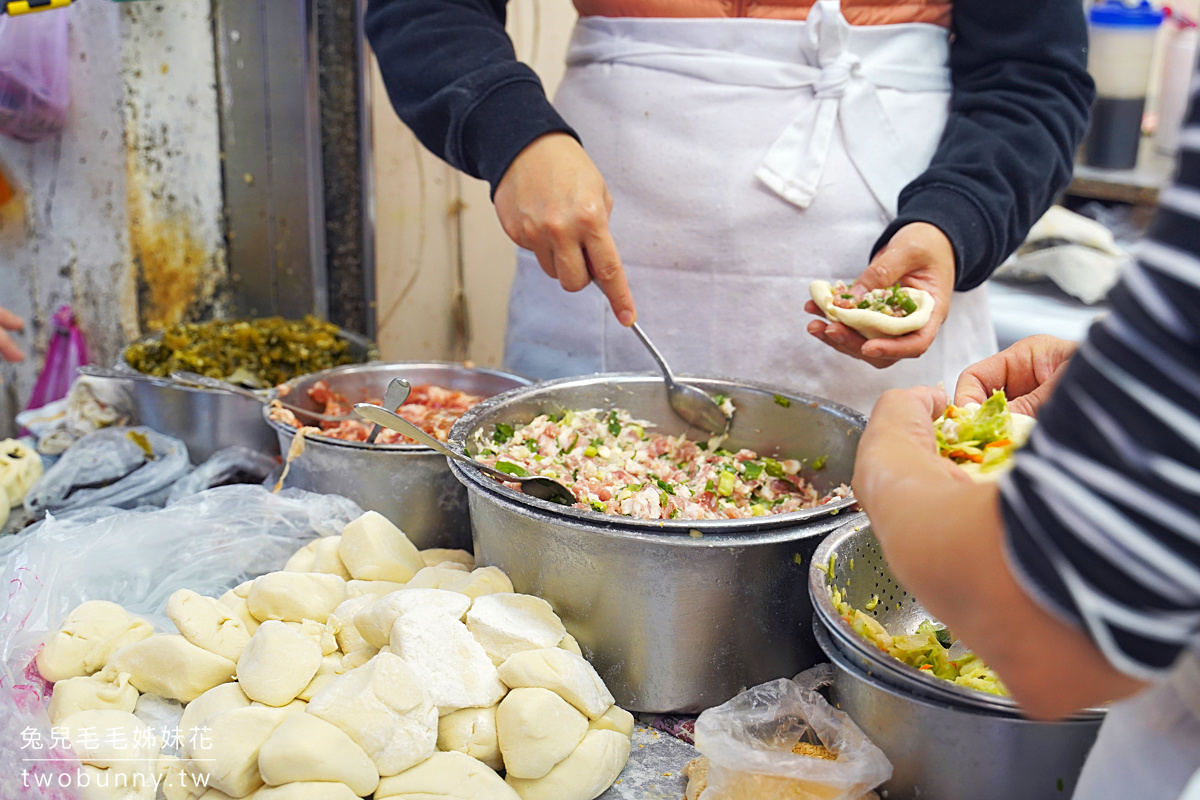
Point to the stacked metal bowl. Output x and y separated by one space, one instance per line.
945 741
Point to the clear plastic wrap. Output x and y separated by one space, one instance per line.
34 75
227 466
749 745
111 467
209 542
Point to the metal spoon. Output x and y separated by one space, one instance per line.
534 486
690 404
393 398
204 381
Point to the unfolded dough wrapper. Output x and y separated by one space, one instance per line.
91 693
20 467
375 621
452 666
170 666
583 775
537 729
472 731
615 719
228 750
107 739
385 710
436 556
566 674
506 624
372 548
277 664
225 697
207 623
295 596
89 636
312 790
307 748
874 324
447 776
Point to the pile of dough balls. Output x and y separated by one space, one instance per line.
365 668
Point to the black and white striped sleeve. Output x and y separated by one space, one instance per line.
1103 508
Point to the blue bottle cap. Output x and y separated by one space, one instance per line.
1122 15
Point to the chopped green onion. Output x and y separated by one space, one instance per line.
864 304
614 427
708 487
820 461
780 400
907 304
725 482
773 467
509 468
503 433
574 442
598 506
666 487
720 399
590 451
751 470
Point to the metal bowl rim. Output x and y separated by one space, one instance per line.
371 366
473 475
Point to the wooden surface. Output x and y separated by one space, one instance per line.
1137 186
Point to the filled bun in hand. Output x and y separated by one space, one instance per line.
982 439
880 313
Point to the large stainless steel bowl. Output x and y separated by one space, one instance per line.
675 615
407 483
208 420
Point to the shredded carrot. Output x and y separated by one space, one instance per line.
977 458
927 666
999 443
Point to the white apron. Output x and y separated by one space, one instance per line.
746 157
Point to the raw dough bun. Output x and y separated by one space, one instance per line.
569 644
472 731
375 622
207 623
485 580
170 666
372 588
228 751
615 719
342 622
446 776
88 638
296 596
277 664
20 468
874 324
241 607
437 577
307 748
303 559
383 708
225 697
91 693
435 556
374 549
108 739
331 667
584 774
510 623
451 666
536 729
568 675
312 790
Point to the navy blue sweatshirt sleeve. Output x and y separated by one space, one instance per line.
454 79
1018 111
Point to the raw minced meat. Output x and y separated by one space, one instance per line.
613 464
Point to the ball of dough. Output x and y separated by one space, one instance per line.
277 664
91 693
327 559
583 775
374 549
615 719
307 748
296 596
375 622
225 697
342 622
509 623
451 666
486 580
170 666
472 731
331 667
105 739
358 658
435 577
207 623
435 556
447 776
125 781
303 559
89 636
372 588
227 746
569 644
566 674
306 791
384 709
238 604
536 729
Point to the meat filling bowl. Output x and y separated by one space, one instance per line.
677 615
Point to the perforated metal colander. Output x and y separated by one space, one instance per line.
860 572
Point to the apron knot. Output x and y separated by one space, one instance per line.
834 78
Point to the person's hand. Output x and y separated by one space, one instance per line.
920 256
553 201
943 538
1027 372
8 348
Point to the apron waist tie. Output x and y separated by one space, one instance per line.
844 87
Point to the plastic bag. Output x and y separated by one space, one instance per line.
227 466
111 467
90 404
34 77
209 542
66 354
748 742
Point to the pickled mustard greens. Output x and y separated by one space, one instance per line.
928 648
258 353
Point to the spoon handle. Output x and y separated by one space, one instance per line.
197 379
394 397
662 362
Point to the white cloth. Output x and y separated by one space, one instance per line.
735 151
